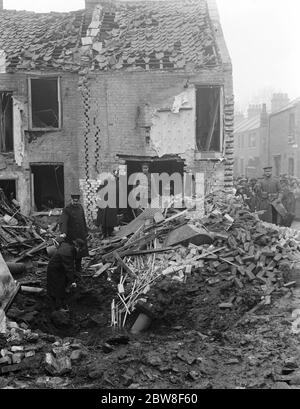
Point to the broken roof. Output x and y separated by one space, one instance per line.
34 40
125 35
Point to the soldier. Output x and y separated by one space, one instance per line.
268 190
73 226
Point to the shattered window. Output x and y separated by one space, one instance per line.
45 102
208 119
6 122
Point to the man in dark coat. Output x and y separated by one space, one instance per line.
61 271
268 190
73 226
107 217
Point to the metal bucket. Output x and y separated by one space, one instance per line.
141 324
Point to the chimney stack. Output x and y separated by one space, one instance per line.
1 5
278 101
91 4
253 110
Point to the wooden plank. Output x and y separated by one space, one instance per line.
102 270
124 265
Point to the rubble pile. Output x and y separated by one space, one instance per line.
243 260
21 236
22 350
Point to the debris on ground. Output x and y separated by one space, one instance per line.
207 308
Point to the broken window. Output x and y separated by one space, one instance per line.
6 122
8 186
44 95
208 119
47 186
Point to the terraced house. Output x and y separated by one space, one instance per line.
108 87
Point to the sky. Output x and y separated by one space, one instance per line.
262 38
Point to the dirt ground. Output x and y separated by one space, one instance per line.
191 343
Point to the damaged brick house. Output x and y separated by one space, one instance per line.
111 86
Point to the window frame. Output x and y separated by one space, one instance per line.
7 152
30 122
252 140
221 112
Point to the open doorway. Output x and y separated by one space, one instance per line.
47 186
9 188
158 166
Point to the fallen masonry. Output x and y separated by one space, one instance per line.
185 300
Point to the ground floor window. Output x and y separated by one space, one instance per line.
9 188
47 186
291 166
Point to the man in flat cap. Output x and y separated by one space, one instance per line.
73 226
268 190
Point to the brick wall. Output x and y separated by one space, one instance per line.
49 147
112 104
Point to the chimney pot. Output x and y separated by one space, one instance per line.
91 4
278 101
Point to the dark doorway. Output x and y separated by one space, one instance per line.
159 166
9 188
48 186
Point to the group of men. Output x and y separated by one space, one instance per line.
65 265
270 196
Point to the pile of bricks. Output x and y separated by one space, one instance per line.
243 250
253 250
21 344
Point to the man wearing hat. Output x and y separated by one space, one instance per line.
268 190
61 272
73 226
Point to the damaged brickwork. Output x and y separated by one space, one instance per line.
113 60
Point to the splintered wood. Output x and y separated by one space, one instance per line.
243 250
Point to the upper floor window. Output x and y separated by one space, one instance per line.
45 103
209 124
6 122
292 125
252 140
